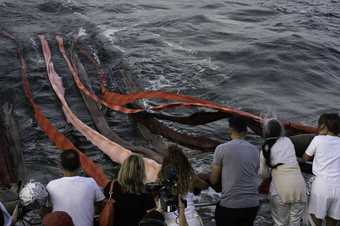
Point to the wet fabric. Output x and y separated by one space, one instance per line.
117 101
61 141
58 218
116 152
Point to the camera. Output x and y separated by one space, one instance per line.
166 189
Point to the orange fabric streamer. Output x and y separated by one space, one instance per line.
116 152
53 134
116 101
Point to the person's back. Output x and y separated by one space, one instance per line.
74 194
131 201
240 163
287 188
235 165
326 161
324 200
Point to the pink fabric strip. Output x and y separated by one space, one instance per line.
116 152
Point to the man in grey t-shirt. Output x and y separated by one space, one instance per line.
235 166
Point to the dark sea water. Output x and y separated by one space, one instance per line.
271 57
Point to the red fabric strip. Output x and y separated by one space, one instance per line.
61 142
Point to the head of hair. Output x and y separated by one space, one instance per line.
272 131
238 124
153 218
57 218
70 160
331 121
176 159
131 175
273 128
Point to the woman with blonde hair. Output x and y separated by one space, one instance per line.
177 164
287 188
131 201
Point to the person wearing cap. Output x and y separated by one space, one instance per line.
74 194
57 218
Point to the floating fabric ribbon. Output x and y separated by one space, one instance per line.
116 152
61 141
116 101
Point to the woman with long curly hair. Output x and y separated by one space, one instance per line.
177 164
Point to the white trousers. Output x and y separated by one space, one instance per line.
325 199
286 214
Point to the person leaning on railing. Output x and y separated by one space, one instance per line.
324 200
287 188
235 166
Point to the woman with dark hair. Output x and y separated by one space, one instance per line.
287 188
131 201
325 194
177 164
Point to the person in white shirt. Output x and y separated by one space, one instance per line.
325 148
287 188
74 194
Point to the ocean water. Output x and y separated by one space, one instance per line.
270 57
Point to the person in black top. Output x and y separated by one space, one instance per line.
132 203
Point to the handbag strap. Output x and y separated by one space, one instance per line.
111 190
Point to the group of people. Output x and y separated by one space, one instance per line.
236 166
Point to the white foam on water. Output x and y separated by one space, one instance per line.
110 34
161 83
81 32
179 47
